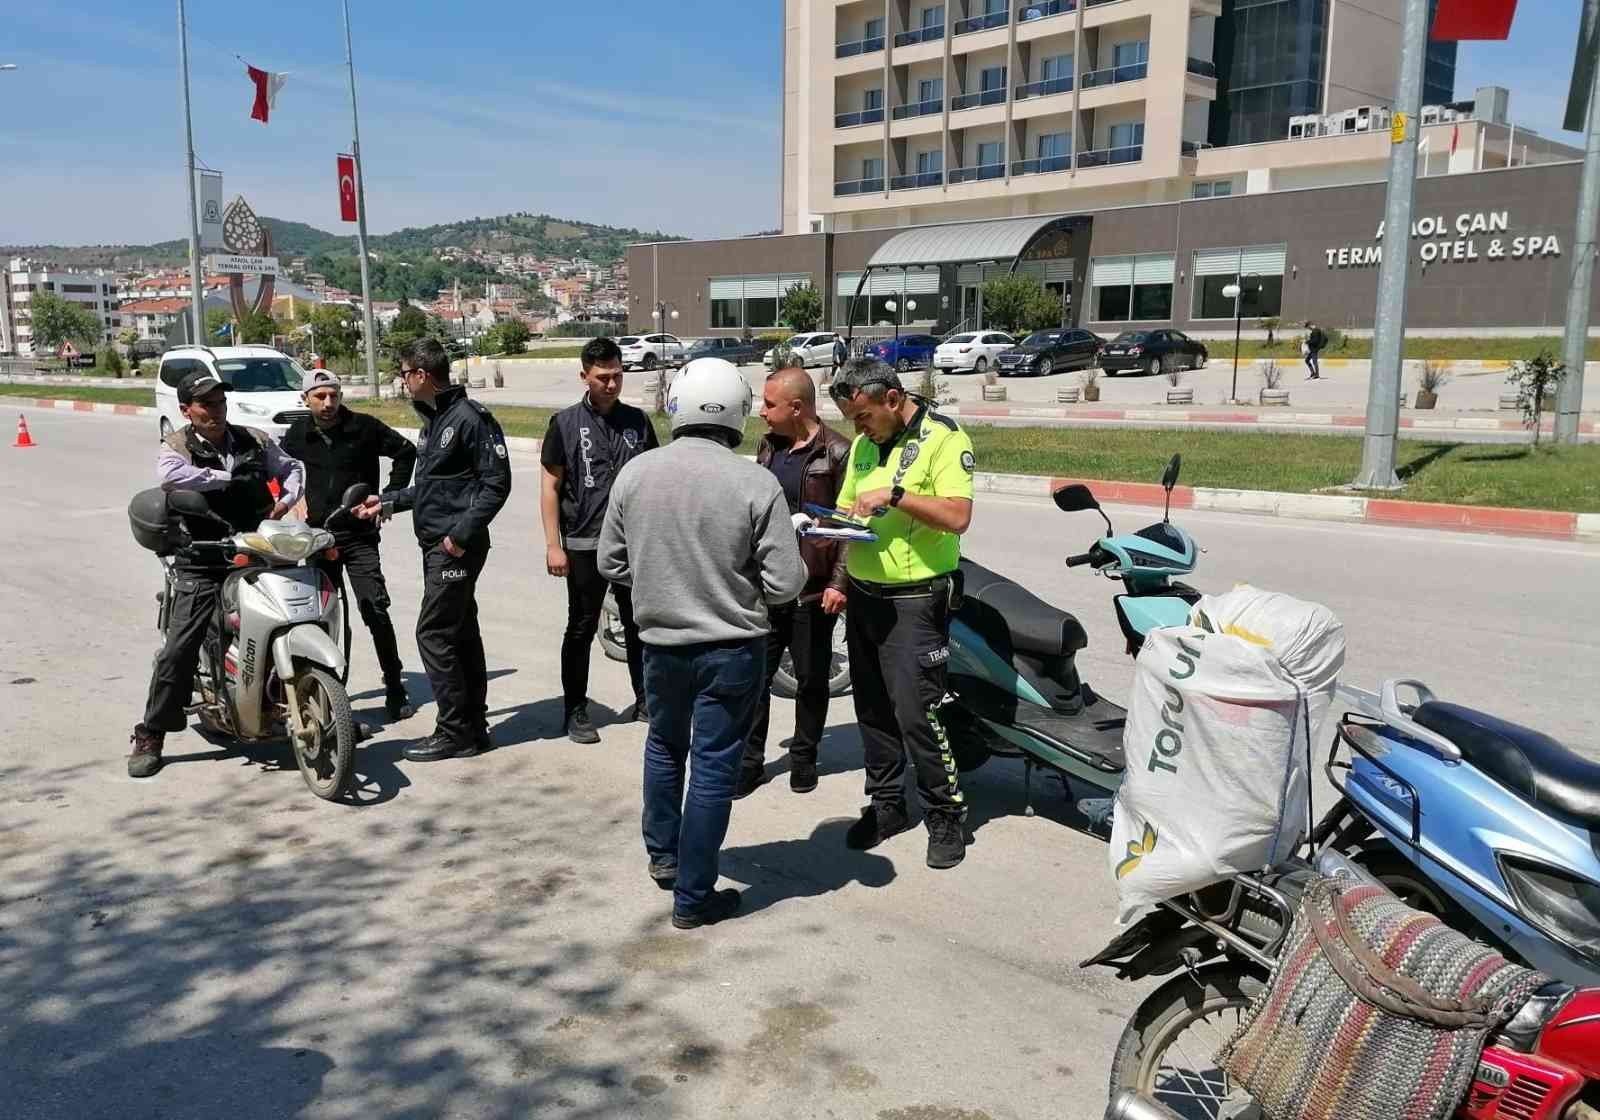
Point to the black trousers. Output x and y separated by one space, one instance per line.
586 597
898 651
360 560
451 645
190 616
806 631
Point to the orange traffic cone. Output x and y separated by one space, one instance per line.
23 438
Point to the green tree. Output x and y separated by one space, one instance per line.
56 320
257 329
334 327
1537 380
801 308
410 324
1017 304
109 361
514 335
219 326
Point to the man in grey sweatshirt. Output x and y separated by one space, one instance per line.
705 540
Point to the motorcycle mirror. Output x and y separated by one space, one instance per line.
1075 498
1169 477
355 495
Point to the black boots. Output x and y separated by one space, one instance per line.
146 757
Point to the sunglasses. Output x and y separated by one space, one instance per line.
843 393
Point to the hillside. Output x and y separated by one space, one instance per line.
538 234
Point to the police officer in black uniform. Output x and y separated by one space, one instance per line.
233 468
341 448
463 479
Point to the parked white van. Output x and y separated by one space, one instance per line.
266 385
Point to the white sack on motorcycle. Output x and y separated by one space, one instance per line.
1217 741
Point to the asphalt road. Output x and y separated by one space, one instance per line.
478 938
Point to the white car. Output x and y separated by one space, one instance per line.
815 349
976 351
266 385
647 351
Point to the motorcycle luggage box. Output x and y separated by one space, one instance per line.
153 526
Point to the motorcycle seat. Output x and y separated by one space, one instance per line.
1529 763
1033 625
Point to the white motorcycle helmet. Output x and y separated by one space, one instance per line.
710 393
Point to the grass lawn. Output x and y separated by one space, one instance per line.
1287 346
1476 474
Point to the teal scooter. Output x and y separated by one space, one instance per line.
1013 683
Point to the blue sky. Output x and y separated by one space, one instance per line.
656 115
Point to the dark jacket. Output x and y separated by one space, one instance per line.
246 501
826 465
345 454
463 472
591 451
1316 341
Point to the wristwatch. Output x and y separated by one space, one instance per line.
896 494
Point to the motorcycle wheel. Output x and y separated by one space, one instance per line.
787 687
325 761
1165 1052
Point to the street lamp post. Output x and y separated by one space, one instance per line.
663 309
1235 292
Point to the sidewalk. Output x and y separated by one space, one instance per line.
1544 524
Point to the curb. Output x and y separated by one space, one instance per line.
1542 524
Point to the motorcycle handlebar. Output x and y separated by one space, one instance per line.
1081 559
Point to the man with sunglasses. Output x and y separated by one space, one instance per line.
462 482
910 479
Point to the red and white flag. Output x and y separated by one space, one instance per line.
267 86
1455 137
1466 20
347 188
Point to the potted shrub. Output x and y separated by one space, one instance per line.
1272 393
1177 394
1091 383
1067 394
1270 324
1428 384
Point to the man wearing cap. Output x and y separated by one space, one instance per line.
341 448
232 467
910 478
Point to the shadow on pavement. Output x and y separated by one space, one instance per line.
817 865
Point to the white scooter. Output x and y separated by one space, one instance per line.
272 663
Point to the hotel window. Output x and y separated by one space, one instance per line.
1125 289
1129 135
871 99
1260 267
1220 188
1130 54
930 163
1054 69
932 17
748 301
992 78
930 89
990 154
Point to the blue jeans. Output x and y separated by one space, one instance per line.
702 701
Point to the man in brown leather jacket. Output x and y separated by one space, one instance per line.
809 460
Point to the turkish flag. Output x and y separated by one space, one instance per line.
1458 20
267 86
347 188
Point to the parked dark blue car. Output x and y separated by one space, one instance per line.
906 351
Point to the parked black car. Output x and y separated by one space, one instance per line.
729 349
1045 352
1153 352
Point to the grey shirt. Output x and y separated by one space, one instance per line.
704 538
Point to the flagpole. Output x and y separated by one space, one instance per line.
361 214
196 291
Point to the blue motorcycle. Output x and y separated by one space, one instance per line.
1493 827
1014 686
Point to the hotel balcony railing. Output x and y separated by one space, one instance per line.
919 35
919 109
865 116
1105 157
1097 3
973 100
1042 165
1201 67
1044 88
860 46
859 186
1112 75
977 174
982 23
914 182
1044 9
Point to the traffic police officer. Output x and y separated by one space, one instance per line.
463 479
910 473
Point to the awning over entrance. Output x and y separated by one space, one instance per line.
1003 239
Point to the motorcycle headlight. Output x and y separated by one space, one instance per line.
293 540
1560 903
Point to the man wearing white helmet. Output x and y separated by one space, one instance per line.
705 540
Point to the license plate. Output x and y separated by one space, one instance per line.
1116 351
